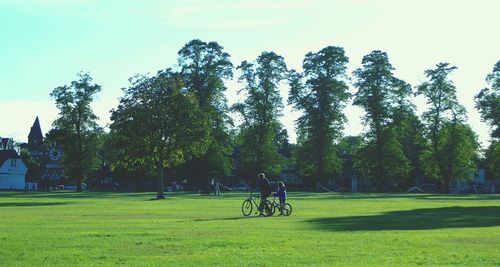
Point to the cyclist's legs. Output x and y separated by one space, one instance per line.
282 204
262 201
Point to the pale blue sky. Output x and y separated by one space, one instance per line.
44 43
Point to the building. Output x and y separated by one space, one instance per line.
35 141
47 154
6 143
12 169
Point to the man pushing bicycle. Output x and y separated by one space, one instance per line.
264 188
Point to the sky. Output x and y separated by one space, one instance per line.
45 43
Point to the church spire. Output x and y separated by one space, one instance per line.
36 131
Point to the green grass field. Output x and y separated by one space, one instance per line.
129 229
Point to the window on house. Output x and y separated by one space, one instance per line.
13 163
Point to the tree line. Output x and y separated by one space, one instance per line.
178 123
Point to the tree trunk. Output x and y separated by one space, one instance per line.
319 174
447 183
451 155
79 157
379 172
79 184
160 194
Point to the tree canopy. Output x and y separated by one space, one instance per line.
445 128
488 104
260 112
178 123
321 93
204 68
76 128
488 101
158 121
380 94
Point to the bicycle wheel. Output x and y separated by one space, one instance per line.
273 208
287 209
268 209
246 208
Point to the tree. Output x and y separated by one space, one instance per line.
488 104
205 66
492 159
321 93
409 129
158 122
387 162
347 147
443 120
77 127
261 111
382 158
457 153
34 171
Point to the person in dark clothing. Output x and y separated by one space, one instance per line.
264 188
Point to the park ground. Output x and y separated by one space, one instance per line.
327 229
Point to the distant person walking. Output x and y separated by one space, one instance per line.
216 187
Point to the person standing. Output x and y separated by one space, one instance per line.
264 188
281 194
217 188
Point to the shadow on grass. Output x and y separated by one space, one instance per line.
31 204
418 219
242 195
390 196
75 195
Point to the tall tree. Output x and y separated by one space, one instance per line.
488 104
205 66
444 110
77 127
261 111
382 158
321 93
158 122
409 129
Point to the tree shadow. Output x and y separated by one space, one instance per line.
76 195
395 196
31 204
418 219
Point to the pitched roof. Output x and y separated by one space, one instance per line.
36 131
5 143
8 154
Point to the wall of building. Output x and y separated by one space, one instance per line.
9 181
12 174
14 168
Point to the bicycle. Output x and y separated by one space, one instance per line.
285 210
253 200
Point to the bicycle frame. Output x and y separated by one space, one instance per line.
283 210
277 204
256 201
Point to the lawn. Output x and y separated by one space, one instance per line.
130 229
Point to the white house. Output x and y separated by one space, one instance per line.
12 170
